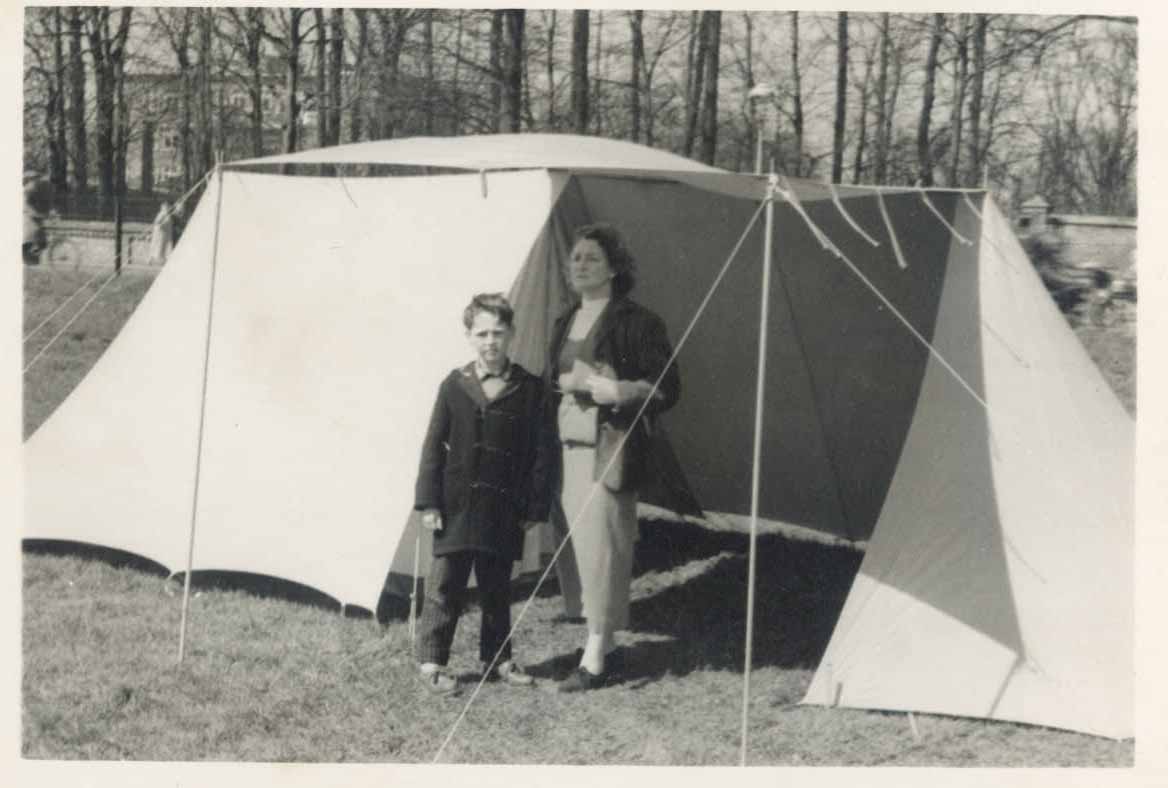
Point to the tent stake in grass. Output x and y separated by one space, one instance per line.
414 587
760 395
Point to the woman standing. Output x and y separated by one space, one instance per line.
608 352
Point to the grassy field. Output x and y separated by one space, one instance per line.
268 679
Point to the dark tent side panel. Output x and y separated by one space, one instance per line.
843 374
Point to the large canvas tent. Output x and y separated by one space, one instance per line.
268 398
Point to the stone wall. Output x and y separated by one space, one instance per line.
91 244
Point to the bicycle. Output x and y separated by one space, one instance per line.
61 253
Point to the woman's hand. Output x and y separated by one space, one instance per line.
567 383
618 393
432 520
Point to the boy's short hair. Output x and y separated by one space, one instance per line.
492 303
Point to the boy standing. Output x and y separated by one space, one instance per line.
482 483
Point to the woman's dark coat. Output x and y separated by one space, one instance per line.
633 341
485 462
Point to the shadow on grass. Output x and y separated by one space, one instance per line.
257 585
118 559
800 588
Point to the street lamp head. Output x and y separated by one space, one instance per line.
763 90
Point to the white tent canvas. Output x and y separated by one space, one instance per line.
270 393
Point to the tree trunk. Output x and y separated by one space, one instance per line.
104 95
924 147
636 32
580 72
796 96
858 168
320 49
77 130
187 83
893 97
292 81
428 65
206 130
58 141
882 140
336 63
147 185
255 44
698 69
841 98
551 72
495 64
514 22
357 108
710 103
598 77
960 79
393 25
748 77
455 85
974 172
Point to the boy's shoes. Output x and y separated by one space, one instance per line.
511 673
581 680
439 682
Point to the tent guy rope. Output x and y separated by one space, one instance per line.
891 231
71 321
839 205
596 484
64 304
952 230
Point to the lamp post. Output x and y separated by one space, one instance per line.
761 96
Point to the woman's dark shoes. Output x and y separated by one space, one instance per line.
614 661
564 618
581 680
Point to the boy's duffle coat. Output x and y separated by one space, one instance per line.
485 462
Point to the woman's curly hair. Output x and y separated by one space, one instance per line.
620 260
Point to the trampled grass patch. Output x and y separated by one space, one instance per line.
266 679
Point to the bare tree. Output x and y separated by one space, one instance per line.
512 67
924 143
636 67
428 66
960 80
77 130
357 106
394 25
713 32
249 41
108 49
696 70
980 32
883 108
336 64
58 144
841 97
796 96
863 85
289 44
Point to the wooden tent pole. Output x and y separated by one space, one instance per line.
182 629
760 392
